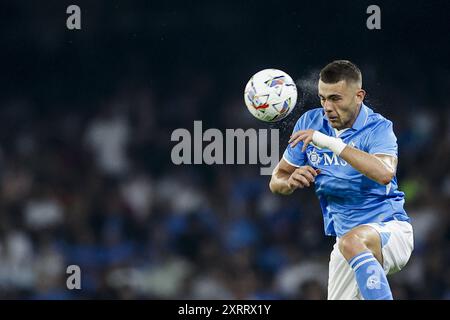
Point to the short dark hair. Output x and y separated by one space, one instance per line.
341 70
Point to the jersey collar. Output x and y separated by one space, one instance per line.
361 119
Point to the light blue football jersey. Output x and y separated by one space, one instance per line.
347 197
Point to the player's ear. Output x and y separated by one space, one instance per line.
360 94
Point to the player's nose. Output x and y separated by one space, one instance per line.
328 107
329 111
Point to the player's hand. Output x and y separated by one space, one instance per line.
302 135
302 177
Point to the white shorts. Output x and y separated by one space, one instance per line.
397 245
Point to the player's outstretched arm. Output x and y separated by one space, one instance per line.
287 178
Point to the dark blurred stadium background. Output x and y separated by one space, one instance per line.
85 124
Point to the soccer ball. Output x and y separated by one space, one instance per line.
270 95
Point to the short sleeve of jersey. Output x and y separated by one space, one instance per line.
382 140
295 156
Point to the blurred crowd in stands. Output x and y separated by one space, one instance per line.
97 189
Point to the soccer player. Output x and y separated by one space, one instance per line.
349 153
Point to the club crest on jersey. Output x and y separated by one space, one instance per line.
314 157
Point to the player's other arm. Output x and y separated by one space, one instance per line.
287 178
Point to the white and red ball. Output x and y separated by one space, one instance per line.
270 95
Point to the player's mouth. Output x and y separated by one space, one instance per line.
333 119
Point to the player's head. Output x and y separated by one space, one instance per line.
340 92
